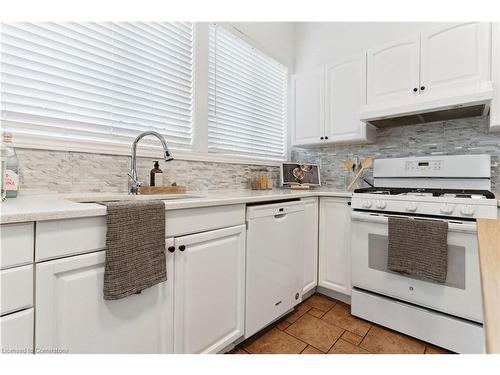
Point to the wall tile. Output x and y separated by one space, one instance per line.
45 172
464 136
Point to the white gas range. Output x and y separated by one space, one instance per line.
455 189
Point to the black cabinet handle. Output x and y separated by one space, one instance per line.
326 137
171 249
182 248
422 88
415 89
321 138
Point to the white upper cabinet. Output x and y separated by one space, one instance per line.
393 70
307 108
326 105
345 94
495 59
454 57
432 69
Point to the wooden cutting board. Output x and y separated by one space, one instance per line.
150 190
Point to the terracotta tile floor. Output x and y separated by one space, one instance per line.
322 325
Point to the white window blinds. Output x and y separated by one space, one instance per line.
247 99
98 82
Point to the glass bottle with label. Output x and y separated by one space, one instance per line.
156 175
10 168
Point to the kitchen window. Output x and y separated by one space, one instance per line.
95 86
247 95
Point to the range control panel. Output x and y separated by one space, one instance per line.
434 166
424 165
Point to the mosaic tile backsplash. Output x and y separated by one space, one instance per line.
464 136
44 172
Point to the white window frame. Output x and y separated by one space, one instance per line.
199 150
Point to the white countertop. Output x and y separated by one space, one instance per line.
66 206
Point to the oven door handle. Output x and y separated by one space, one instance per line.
464 227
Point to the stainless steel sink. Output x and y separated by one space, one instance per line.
102 197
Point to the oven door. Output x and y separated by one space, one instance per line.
460 295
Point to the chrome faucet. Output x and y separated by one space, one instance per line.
133 182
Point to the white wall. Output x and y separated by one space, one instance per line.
277 39
317 43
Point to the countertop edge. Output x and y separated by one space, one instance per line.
489 262
71 210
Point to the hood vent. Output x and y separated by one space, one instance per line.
441 115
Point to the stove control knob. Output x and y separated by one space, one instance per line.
446 208
467 210
381 204
411 207
366 204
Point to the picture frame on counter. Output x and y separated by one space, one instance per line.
299 174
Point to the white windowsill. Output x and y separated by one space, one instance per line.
95 147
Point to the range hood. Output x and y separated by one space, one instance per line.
425 110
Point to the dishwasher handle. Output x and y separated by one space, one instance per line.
277 210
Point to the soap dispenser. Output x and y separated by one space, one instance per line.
156 175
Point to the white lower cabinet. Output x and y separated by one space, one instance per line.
199 309
72 316
311 247
209 290
334 233
16 285
17 332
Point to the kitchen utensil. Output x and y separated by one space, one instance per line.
365 164
350 166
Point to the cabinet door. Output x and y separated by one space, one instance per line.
345 94
16 332
334 233
72 315
393 71
455 58
209 290
307 108
311 248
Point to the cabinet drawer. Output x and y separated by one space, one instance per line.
58 238
17 243
195 220
17 332
17 288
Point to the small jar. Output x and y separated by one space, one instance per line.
263 182
254 184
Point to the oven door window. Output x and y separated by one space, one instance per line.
455 276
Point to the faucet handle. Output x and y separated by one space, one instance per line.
134 179
134 184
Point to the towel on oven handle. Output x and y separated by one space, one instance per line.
418 247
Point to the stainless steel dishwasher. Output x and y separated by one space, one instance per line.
275 258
